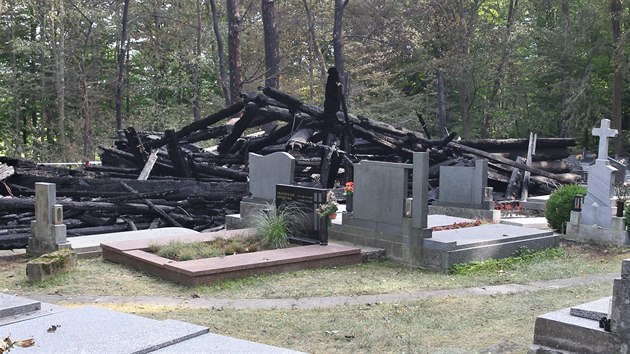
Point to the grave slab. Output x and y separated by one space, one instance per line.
13 306
211 343
486 234
535 222
559 330
208 270
96 330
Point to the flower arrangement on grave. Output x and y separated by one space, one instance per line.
328 210
348 189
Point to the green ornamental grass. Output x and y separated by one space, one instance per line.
277 224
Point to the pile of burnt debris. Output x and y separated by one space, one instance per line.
157 179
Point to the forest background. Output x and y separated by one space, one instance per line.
73 72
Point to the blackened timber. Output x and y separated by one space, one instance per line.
135 146
496 145
198 125
331 161
256 144
129 158
239 127
221 172
516 178
300 138
206 134
381 139
446 140
503 160
293 103
12 204
153 206
180 165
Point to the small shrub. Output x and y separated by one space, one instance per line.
276 225
560 204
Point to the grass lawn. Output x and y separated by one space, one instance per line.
497 324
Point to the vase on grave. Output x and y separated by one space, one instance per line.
620 207
323 231
349 203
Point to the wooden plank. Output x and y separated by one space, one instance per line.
531 150
144 175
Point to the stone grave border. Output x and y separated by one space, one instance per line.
208 270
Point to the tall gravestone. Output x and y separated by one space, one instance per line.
265 172
597 208
48 233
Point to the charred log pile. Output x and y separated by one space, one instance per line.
156 179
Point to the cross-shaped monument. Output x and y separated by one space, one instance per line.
604 132
597 208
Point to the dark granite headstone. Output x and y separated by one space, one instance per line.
308 199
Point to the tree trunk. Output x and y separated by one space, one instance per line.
220 51
121 67
618 58
340 5
234 48
441 103
272 46
59 53
85 100
312 38
14 83
496 85
566 115
194 69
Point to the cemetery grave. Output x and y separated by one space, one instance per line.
54 329
154 179
600 326
596 220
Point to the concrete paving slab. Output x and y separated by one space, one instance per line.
486 235
13 305
536 223
92 243
94 330
211 343
593 310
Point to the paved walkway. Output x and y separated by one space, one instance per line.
331 301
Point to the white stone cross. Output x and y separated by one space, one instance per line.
604 132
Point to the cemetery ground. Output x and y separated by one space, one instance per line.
439 318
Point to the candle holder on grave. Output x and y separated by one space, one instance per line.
578 201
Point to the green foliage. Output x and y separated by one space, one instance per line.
522 256
560 204
275 225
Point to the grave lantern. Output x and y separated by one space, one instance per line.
578 200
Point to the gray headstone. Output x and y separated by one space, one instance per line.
48 233
420 189
620 176
462 185
265 172
380 191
